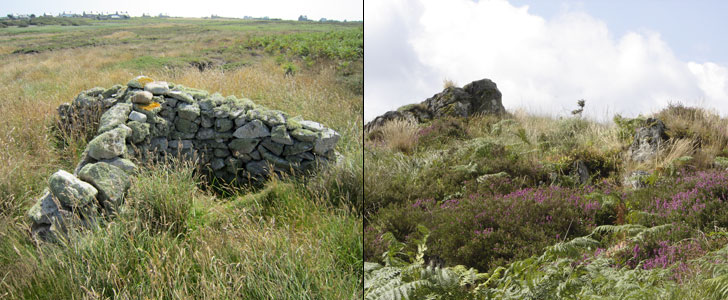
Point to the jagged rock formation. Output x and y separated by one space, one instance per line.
233 139
480 96
648 140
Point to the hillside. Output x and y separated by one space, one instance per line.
509 205
181 234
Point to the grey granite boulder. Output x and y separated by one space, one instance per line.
252 129
70 191
113 117
110 181
109 144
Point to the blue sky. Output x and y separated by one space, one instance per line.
284 9
691 28
626 57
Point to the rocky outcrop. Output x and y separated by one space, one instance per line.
232 139
477 97
648 140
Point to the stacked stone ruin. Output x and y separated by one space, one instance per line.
230 138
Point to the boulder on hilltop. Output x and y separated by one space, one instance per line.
478 97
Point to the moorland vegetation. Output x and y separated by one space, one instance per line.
498 206
182 237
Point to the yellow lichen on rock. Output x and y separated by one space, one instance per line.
150 106
140 81
144 80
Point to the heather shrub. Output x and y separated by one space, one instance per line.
441 132
465 163
486 231
698 199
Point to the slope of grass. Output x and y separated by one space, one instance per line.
509 218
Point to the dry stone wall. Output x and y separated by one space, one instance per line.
232 138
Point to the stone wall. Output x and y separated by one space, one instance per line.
233 139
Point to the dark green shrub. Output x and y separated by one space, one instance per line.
485 231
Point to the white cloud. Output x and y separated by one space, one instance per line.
541 65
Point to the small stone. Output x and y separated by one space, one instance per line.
222 111
159 144
221 152
222 125
139 82
253 129
109 144
258 168
326 141
243 145
311 125
276 148
45 210
304 135
139 130
181 96
280 135
111 91
217 164
297 148
123 164
157 87
186 126
137 116
188 111
240 121
170 102
206 121
255 155
71 191
205 134
142 97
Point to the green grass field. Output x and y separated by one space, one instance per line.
289 238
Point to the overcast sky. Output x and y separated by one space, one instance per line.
284 9
622 56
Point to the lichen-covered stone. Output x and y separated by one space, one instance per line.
157 87
221 152
122 163
252 129
326 141
181 96
269 117
114 116
274 147
217 164
70 191
139 82
110 181
304 135
206 134
297 148
139 131
45 210
186 126
111 91
188 111
279 135
109 144
222 125
243 145
137 116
